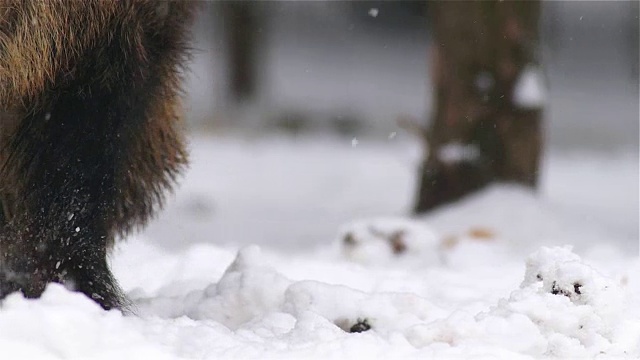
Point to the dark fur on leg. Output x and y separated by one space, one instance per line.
90 134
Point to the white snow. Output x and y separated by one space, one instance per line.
506 273
384 240
456 152
529 91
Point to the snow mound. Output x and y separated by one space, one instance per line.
522 219
573 311
250 290
387 240
576 309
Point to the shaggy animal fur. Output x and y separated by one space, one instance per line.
89 134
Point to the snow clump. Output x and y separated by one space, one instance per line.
386 240
563 308
576 309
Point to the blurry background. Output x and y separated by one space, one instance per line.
306 138
354 67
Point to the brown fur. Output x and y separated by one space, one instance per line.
76 74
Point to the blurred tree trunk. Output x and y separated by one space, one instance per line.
242 30
487 121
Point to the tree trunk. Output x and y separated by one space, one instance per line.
242 27
487 121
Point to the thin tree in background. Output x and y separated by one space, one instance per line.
242 28
487 121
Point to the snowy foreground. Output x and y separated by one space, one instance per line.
337 272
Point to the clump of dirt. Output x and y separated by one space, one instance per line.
361 325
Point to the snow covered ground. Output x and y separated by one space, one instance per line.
279 247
